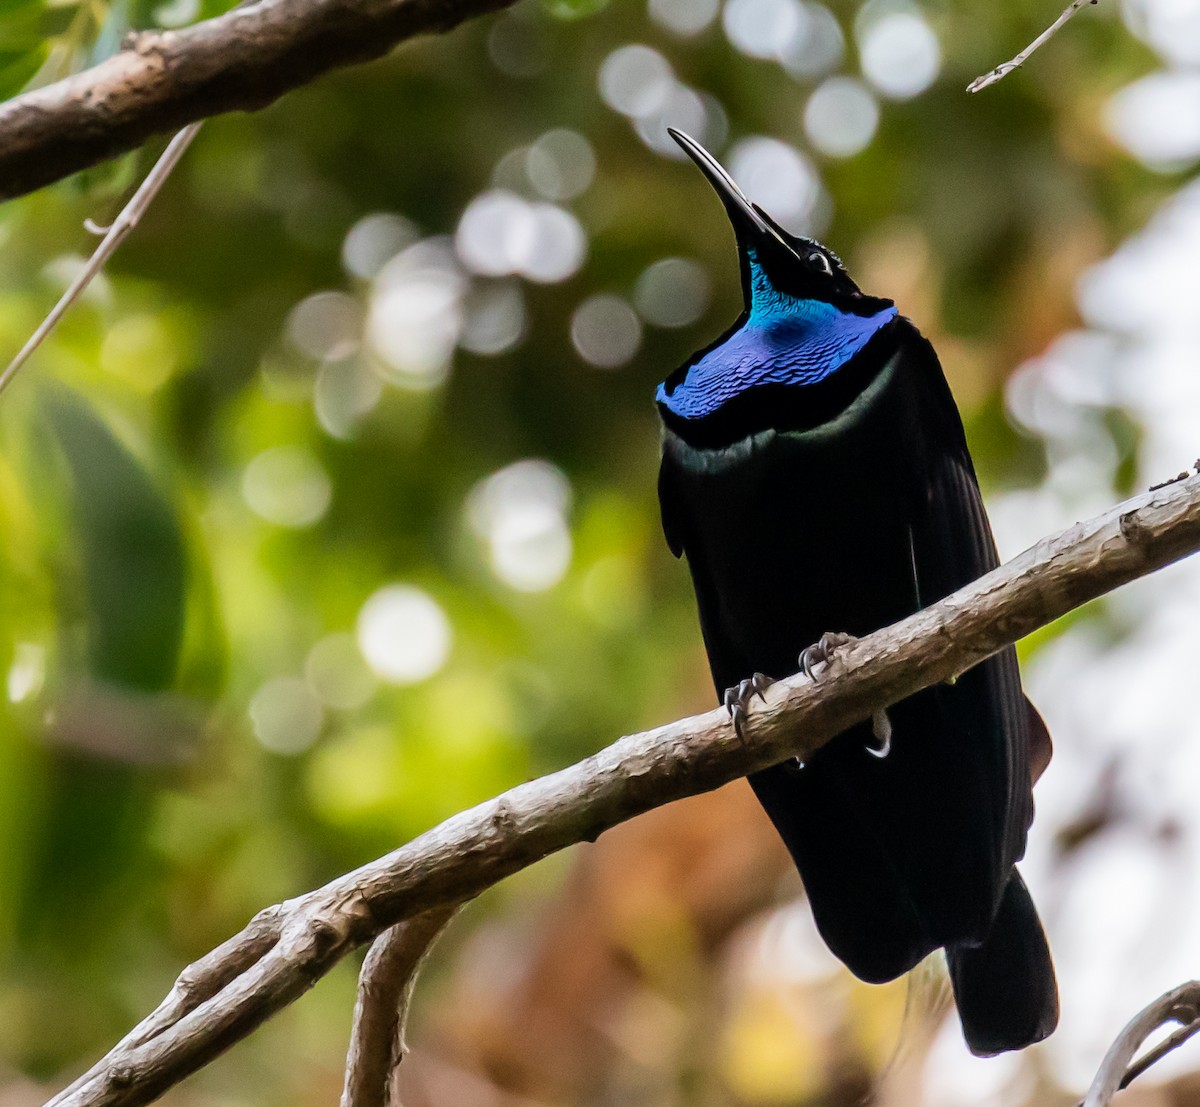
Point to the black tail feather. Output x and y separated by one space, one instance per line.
1005 989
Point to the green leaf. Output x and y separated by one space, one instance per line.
131 549
12 8
17 69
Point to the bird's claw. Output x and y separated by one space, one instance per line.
823 653
737 700
881 727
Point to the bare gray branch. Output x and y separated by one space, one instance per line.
477 848
1168 1045
385 987
164 80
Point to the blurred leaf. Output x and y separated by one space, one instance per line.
16 17
17 68
1127 437
131 552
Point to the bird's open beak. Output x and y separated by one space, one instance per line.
743 214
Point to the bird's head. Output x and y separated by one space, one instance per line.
804 319
778 267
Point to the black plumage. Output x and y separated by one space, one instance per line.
832 489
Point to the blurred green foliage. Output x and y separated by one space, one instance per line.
147 604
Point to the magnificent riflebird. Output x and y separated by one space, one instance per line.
815 474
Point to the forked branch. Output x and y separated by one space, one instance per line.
1118 1070
286 949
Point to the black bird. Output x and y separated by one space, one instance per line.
816 475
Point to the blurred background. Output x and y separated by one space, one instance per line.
331 511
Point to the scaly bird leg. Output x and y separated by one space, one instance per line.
822 653
737 700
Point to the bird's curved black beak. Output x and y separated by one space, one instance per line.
742 213
748 223
782 258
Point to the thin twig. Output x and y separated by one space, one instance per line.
1167 1045
1004 69
385 987
1180 1005
478 848
114 235
198 982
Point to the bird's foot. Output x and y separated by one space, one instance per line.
823 653
737 700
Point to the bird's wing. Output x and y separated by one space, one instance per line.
953 545
672 521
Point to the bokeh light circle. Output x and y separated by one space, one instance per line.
606 331
841 117
672 293
900 52
403 634
777 177
287 486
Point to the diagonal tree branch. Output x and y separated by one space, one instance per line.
164 80
288 948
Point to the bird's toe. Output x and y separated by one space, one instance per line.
823 652
737 699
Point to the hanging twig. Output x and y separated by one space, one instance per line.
114 235
385 987
1004 69
1180 1005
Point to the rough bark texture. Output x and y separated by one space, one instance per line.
229 993
385 987
163 80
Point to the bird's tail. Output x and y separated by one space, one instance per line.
1004 987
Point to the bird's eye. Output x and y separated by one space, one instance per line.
819 261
